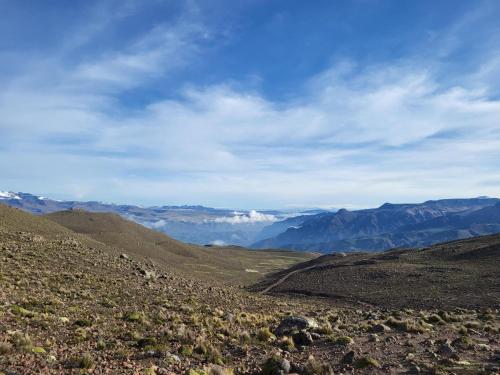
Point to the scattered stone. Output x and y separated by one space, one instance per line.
276 366
219 370
302 338
414 369
348 358
380 328
496 358
373 337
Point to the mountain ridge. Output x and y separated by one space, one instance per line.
392 225
187 223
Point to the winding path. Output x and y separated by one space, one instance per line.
281 280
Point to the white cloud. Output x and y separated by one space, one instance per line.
218 243
252 217
160 51
358 135
157 224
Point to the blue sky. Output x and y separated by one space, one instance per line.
250 104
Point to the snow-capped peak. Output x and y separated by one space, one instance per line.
8 195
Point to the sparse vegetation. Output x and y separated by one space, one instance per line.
340 340
366 362
73 305
84 361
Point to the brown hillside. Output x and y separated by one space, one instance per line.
71 305
112 229
456 274
228 263
16 220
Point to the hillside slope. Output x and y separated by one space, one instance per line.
193 224
112 229
221 264
71 305
455 274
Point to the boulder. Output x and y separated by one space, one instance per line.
295 323
380 328
276 366
348 358
302 338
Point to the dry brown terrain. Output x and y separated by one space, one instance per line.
70 303
455 274
231 264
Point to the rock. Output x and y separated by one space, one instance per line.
446 350
293 323
219 370
348 358
148 275
124 256
496 358
414 369
380 328
484 347
315 336
302 338
276 366
229 317
373 338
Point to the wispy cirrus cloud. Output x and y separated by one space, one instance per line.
354 134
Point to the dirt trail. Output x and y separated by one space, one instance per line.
280 281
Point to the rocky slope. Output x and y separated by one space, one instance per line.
233 264
461 274
72 304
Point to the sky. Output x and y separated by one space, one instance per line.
250 104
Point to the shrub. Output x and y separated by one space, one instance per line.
5 348
365 362
134 316
22 341
21 311
265 335
84 362
287 343
186 350
83 323
407 325
341 340
245 337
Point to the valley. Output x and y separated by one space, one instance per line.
217 187
100 294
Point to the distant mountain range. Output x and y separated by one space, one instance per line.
382 228
193 224
388 226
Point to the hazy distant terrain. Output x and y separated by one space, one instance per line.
194 224
390 225
382 228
